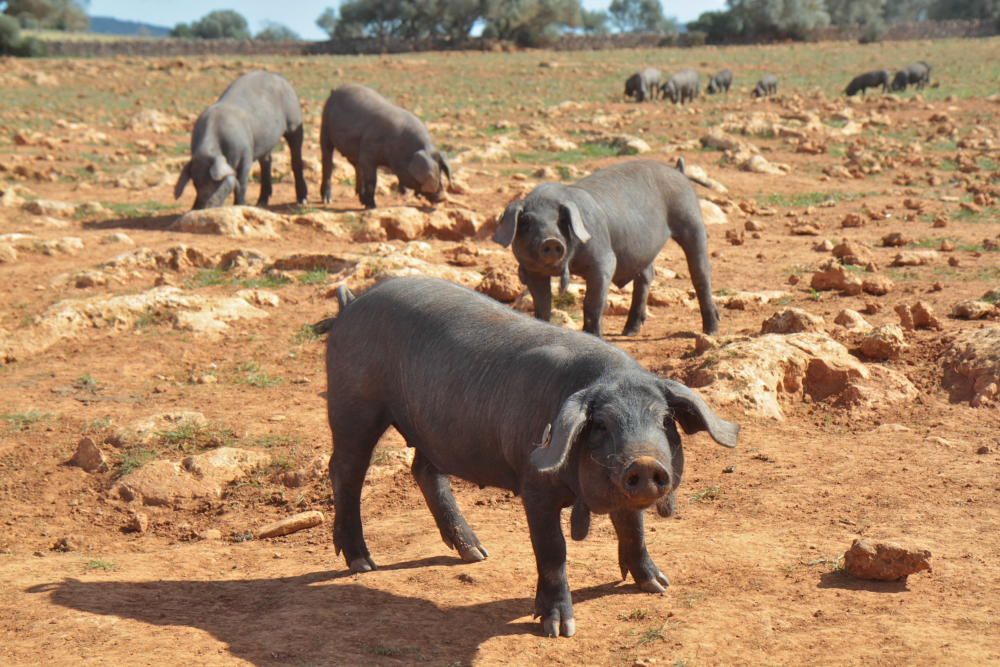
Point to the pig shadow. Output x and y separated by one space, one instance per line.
849 583
328 617
153 223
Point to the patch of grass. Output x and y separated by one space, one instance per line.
315 277
264 282
708 495
989 274
207 278
987 163
815 295
651 635
832 563
21 421
943 145
494 130
151 317
903 275
925 243
304 335
132 460
86 382
836 150
100 564
634 615
966 215
563 300
193 437
992 296
947 164
100 424
245 536
252 375
144 209
268 441
798 199
588 151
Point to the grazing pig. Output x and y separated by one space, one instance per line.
608 228
767 86
681 87
484 393
371 132
720 82
919 74
247 122
643 85
862 82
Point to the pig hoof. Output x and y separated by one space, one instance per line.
631 331
361 564
657 584
553 627
473 554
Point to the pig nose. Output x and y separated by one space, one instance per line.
646 480
553 250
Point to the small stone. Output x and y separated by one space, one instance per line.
946 246
852 319
292 524
852 220
826 245
972 309
984 449
894 240
66 544
210 534
500 284
805 229
735 236
753 226
89 457
884 561
877 285
138 522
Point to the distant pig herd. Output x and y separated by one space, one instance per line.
479 391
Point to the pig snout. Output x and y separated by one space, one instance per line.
645 481
552 250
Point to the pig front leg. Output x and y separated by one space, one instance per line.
632 554
553 602
540 288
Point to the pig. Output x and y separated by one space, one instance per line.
608 228
919 74
489 395
767 86
720 82
862 82
371 132
644 84
682 86
243 126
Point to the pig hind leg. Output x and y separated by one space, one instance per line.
355 434
455 532
695 244
640 293
265 180
294 139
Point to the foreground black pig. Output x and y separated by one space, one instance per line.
862 82
492 396
609 228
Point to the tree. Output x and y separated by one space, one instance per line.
594 22
531 22
640 16
906 10
717 26
855 12
779 19
964 9
69 15
275 32
327 21
222 24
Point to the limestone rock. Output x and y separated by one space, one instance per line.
791 320
833 276
89 457
877 284
972 366
504 286
852 319
973 309
884 342
761 373
918 316
57 209
884 561
232 221
199 477
914 258
712 213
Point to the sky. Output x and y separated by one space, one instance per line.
300 15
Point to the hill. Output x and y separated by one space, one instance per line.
107 25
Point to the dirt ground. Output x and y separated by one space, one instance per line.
755 552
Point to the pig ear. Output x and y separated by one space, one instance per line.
220 169
551 453
504 234
693 414
183 180
443 163
570 210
